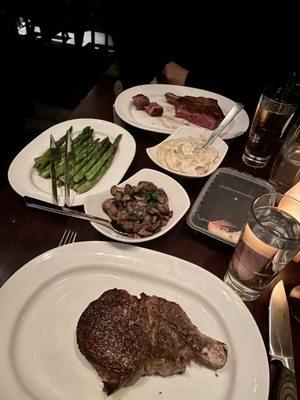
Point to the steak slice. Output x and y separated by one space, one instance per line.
202 111
140 101
154 109
125 337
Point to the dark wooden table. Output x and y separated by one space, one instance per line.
25 233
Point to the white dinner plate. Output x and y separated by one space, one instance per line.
26 181
185 132
179 203
167 123
41 303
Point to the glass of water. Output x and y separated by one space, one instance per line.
285 171
269 241
272 114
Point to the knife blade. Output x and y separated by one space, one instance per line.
280 343
54 158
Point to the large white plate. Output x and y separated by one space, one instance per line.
167 123
26 181
42 302
179 203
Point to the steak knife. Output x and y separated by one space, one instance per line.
280 344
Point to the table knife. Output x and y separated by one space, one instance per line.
229 117
280 344
54 157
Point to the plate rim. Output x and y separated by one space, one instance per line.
112 249
78 199
168 131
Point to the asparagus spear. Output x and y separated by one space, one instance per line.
93 150
61 167
104 146
77 185
42 161
84 140
46 155
45 172
81 152
96 167
84 187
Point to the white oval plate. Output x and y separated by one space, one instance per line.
41 303
185 132
167 123
26 181
179 202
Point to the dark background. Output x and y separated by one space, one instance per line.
48 66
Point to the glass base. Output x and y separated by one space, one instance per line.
244 292
253 161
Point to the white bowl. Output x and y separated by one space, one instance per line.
179 203
189 131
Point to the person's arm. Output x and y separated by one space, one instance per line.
174 74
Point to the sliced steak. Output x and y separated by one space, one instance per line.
154 109
125 337
202 111
140 101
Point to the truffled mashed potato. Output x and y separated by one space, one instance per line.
185 155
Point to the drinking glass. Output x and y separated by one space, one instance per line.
269 241
285 171
272 114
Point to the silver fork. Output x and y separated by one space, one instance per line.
68 237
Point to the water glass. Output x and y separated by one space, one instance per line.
271 116
285 171
269 241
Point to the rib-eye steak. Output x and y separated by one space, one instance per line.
125 337
202 111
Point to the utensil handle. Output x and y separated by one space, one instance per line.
229 117
285 385
42 205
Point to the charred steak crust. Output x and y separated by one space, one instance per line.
202 111
125 337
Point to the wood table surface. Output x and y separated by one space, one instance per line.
25 232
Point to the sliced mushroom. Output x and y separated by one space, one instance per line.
138 210
139 198
128 189
113 190
156 227
118 196
144 233
126 197
153 219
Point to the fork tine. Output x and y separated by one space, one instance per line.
68 237
62 240
73 237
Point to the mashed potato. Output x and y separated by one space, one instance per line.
185 155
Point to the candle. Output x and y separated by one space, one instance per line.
256 244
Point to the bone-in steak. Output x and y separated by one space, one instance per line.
202 111
125 337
